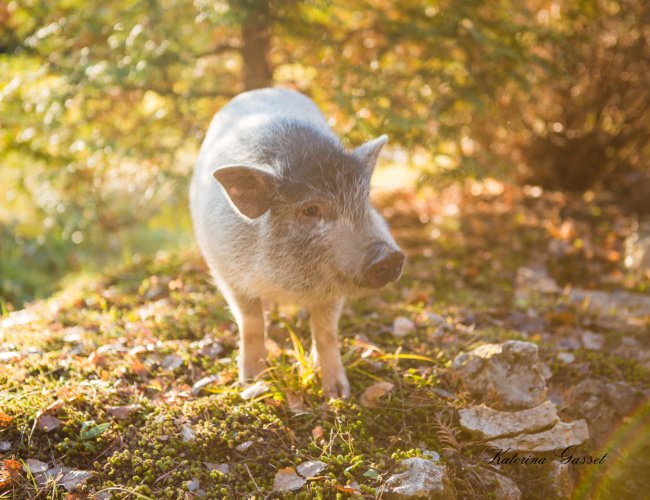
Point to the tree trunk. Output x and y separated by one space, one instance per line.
256 35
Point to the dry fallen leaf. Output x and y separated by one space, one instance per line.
318 433
295 402
311 468
10 472
139 368
287 480
123 412
370 397
5 419
97 359
47 423
171 362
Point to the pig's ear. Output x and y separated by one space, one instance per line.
369 152
250 189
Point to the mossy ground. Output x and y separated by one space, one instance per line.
133 337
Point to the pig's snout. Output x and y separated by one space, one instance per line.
384 264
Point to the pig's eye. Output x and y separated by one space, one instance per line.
311 211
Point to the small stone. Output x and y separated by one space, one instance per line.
223 468
171 362
204 382
569 343
562 435
5 445
244 446
485 423
193 485
536 279
187 434
311 468
287 480
510 373
566 357
593 341
419 478
252 391
403 326
443 393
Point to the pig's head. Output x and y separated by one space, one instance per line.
319 234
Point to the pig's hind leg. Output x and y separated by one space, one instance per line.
325 347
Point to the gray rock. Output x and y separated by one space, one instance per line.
560 479
193 485
535 279
619 303
224 468
566 357
603 403
204 382
592 341
485 423
244 446
562 435
419 478
187 434
502 487
402 326
509 373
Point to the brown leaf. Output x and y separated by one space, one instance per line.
139 368
97 359
287 480
5 419
123 412
47 423
295 402
10 472
318 433
370 397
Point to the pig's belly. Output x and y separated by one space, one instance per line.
272 292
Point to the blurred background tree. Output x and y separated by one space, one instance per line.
104 104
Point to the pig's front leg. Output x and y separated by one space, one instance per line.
252 350
324 331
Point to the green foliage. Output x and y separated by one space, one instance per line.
103 104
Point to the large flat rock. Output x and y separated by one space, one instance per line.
485 423
562 435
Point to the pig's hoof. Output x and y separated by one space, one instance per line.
338 387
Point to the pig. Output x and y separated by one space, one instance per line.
281 213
